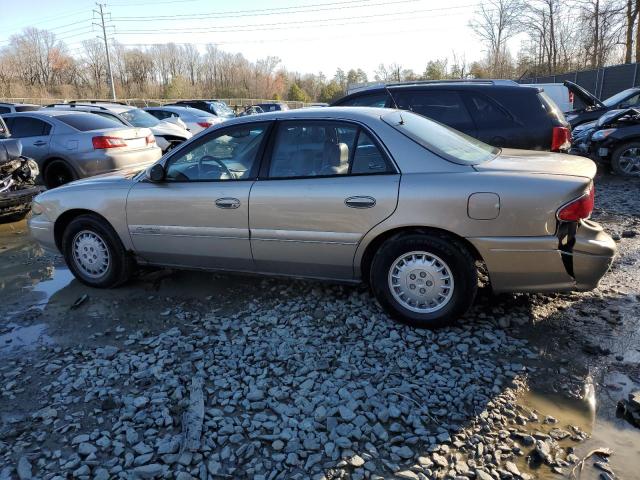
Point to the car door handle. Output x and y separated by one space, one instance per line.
360 202
227 203
39 143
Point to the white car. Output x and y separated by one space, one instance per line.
195 119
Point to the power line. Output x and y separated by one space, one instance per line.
265 11
106 47
293 24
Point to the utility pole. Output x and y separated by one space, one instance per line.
106 48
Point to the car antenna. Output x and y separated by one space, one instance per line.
395 104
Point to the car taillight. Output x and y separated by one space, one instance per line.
570 97
205 124
560 139
150 139
107 142
578 209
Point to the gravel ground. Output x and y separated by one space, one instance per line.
185 375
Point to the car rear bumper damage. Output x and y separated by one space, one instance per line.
547 264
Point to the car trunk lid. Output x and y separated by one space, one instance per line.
589 99
534 162
135 138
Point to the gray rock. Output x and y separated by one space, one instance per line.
152 470
24 469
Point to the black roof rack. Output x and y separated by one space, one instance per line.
470 81
93 102
75 105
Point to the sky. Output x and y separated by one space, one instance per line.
309 36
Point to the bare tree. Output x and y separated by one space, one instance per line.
495 22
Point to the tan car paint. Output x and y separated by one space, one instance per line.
294 233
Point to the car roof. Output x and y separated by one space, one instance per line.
47 113
180 108
20 104
358 114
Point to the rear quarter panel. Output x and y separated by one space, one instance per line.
528 204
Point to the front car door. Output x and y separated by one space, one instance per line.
34 135
198 216
324 185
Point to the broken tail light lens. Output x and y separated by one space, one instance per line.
560 139
578 209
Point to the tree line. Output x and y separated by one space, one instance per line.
555 36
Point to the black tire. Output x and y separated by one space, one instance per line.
456 258
617 162
58 172
120 264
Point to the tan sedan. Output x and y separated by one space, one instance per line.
349 194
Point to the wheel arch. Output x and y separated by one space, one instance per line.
375 243
67 217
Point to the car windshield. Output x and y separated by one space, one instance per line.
140 118
618 97
444 141
221 110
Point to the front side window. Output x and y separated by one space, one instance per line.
230 154
23 127
322 148
444 141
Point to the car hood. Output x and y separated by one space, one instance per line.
534 162
165 128
588 98
613 115
121 178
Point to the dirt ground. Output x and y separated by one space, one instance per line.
586 345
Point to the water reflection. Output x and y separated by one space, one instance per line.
24 337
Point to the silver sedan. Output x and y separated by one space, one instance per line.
390 198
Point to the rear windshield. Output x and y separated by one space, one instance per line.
444 141
140 118
86 122
221 109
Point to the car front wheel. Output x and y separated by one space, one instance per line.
625 160
95 254
424 280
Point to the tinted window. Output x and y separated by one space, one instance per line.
23 127
375 100
85 122
440 139
110 116
227 155
27 108
5 110
444 107
486 113
4 132
311 149
161 114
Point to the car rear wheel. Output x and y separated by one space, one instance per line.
625 159
424 280
57 173
95 254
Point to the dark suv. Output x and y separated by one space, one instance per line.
500 113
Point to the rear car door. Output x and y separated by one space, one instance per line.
34 134
198 216
324 185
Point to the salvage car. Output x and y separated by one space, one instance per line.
594 108
389 198
68 145
167 134
614 139
498 112
194 119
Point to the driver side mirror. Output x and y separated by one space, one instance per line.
156 173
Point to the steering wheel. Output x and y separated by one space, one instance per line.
224 168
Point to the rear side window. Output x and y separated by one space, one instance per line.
443 107
5 110
374 100
109 116
161 114
23 127
87 122
487 113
